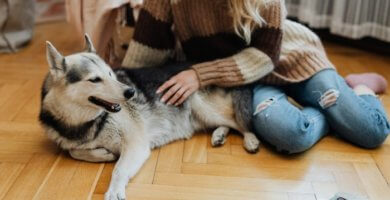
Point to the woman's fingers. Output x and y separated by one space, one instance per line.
170 92
177 96
184 97
166 85
179 88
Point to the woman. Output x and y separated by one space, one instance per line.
239 42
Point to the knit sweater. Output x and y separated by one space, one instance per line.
280 51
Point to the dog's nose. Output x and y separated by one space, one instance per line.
129 93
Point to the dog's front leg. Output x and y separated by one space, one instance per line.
134 154
92 155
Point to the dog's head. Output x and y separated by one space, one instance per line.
84 79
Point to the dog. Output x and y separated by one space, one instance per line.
98 114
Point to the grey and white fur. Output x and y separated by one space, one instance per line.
99 115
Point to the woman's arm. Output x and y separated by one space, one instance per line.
153 40
253 63
247 66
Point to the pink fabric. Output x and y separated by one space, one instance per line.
374 81
95 17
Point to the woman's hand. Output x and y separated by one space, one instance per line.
181 86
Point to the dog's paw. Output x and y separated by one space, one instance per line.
251 143
218 137
115 194
218 140
105 154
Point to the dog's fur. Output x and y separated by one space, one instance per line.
94 132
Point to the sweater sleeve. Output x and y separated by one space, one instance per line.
254 62
153 39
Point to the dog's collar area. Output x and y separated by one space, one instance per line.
111 107
74 132
102 118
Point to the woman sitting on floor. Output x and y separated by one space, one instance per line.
238 42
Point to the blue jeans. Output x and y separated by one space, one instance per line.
327 102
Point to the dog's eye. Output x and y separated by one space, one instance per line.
95 80
110 74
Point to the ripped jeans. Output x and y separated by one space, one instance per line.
328 102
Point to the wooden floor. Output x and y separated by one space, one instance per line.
31 167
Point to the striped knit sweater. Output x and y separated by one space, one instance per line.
280 52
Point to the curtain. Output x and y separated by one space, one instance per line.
349 18
94 17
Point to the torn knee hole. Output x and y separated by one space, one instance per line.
264 105
329 98
306 124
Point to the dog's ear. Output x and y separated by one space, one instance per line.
88 44
56 61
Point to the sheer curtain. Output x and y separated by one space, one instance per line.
349 18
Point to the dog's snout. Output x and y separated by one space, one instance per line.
129 93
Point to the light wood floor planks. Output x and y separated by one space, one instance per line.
31 167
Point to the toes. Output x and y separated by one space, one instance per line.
104 153
251 143
111 157
115 195
218 137
217 140
101 151
121 197
252 150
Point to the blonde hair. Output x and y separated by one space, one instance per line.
246 17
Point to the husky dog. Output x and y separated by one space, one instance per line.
99 115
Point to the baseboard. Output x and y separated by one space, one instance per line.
367 44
